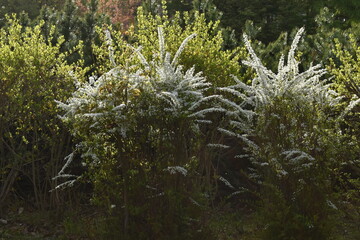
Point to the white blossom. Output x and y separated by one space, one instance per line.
176 169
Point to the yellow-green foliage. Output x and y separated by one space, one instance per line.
346 69
347 72
33 74
204 52
113 50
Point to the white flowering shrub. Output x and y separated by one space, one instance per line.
138 129
283 119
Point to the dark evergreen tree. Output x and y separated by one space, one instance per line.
74 25
87 32
349 9
273 16
57 4
207 7
31 7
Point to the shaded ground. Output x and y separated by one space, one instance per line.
83 224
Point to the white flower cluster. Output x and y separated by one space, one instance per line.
181 92
176 169
288 82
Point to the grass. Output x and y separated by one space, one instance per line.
84 223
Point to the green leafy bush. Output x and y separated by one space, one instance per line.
345 67
33 73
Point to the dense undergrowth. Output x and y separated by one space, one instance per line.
159 132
